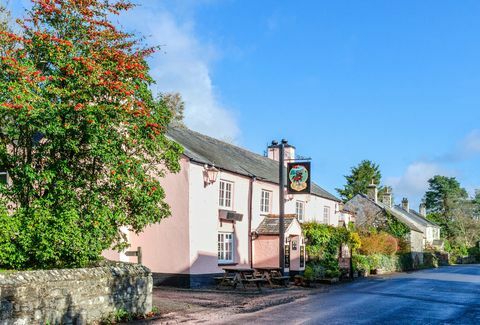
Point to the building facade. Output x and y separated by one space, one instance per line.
225 204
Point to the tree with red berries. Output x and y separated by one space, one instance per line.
81 136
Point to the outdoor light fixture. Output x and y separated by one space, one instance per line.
210 174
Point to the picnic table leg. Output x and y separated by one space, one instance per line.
243 277
223 280
268 278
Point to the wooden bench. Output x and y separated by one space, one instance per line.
284 280
257 281
226 280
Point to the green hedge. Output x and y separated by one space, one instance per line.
392 263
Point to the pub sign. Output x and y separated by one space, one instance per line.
298 178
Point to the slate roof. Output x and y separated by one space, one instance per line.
270 225
207 150
423 219
395 211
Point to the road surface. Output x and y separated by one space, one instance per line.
448 295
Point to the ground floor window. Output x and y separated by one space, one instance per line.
225 247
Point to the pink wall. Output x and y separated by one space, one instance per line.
165 245
265 250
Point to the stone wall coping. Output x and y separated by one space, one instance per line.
112 270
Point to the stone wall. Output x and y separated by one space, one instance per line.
74 296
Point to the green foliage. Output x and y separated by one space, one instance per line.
360 263
323 247
405 262
360 177
386 263
82 138
440 199
396 228
314 271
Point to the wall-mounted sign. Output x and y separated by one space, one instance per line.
302 256
287 256
298 178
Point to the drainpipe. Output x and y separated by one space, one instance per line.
250 213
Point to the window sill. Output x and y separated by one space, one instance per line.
227 264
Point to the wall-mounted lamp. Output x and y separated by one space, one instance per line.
210 174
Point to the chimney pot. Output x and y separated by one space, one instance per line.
273 151
422 209
387 197
405 204
372 191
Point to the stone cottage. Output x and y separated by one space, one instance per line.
372 211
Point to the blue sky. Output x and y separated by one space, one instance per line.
396 82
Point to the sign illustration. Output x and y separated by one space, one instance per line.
298 178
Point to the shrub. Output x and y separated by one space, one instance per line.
82 137
404 262
314 271
360 263
381 243
323 245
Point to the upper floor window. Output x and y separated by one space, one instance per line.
225 194
326 215
300 210
265 202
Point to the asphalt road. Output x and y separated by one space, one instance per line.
448 295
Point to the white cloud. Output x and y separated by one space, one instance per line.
183 65
414 182
471 144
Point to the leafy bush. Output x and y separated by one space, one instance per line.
430 260
404 262
323 247
378 243
386 263
360 263
82 137
314 271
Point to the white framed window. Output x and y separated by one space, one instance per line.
265 202
225 194
300 210
3 177
225 247
326 215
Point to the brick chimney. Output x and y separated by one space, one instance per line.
422 209
405 204
274 153
372 191
387 197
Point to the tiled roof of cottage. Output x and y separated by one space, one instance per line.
206 150
397 212
270 225
422 219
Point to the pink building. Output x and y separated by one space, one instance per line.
230 220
